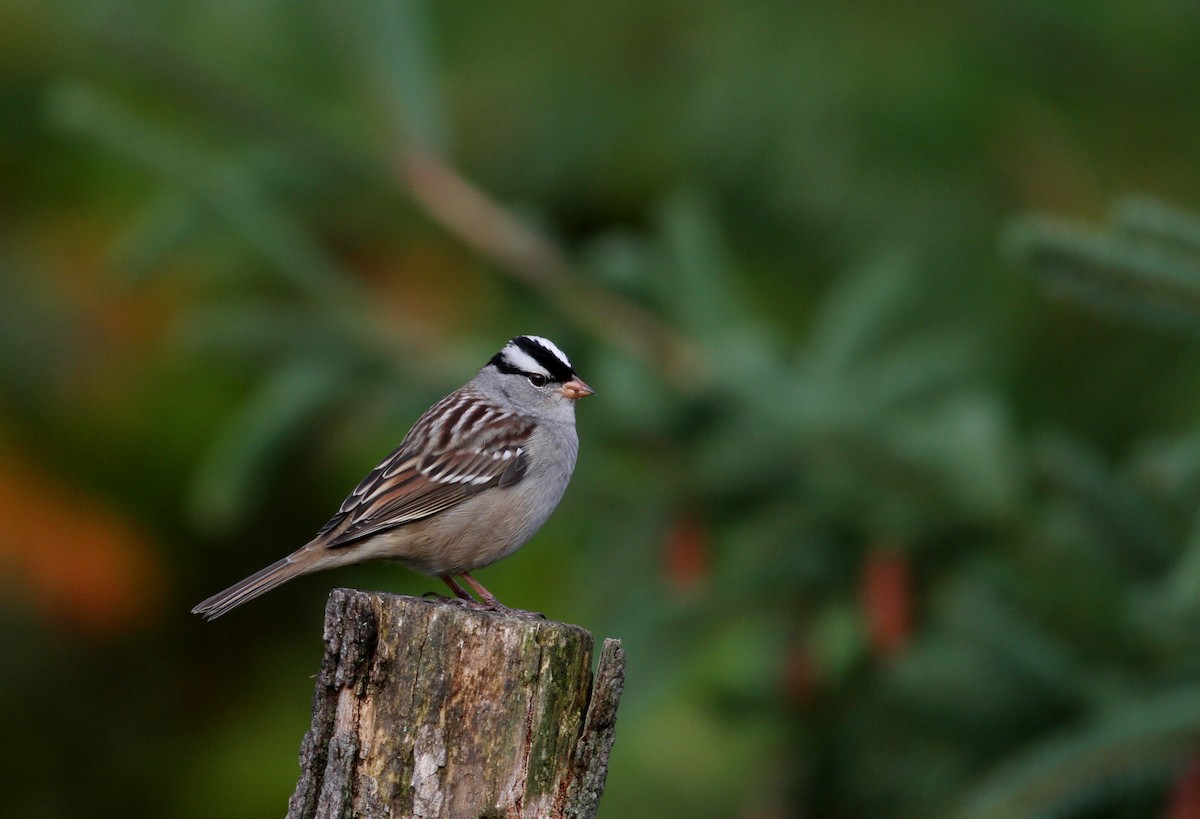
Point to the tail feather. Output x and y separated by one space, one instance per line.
261 582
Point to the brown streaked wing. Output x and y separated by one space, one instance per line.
458 462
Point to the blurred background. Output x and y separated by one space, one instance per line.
889 486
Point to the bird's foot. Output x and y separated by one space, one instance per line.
486 602
500 608
471 604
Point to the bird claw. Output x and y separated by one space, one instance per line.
500 608
472 604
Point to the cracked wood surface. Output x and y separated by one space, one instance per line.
427 710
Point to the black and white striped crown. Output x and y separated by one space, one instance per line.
534 355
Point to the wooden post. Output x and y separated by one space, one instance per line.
424 709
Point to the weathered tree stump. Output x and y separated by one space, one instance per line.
424 709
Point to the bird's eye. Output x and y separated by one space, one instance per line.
537 379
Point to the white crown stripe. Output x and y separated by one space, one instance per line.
520 360
553 348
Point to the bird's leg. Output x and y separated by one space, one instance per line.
460 598
458 590
492 603
484 595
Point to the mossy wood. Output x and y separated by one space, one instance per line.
424 709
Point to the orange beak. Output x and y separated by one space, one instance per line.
575 389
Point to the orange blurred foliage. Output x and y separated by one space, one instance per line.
800 679
886 597
424 288
81 564
686 556
1185 799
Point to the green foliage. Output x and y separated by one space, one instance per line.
885 533
1146 264
1087 768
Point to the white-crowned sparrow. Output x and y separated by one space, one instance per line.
473 480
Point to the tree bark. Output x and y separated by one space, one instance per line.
424 709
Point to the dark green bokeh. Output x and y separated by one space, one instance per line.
888 525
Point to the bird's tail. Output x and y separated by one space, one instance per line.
261 582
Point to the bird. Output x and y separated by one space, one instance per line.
473 480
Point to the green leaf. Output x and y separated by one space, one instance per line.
400 58
865 307
230 478
697 283
1153 735
1122 520
1147 280
167 224
1158 224
221 185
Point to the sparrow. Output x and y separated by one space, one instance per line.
472 481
